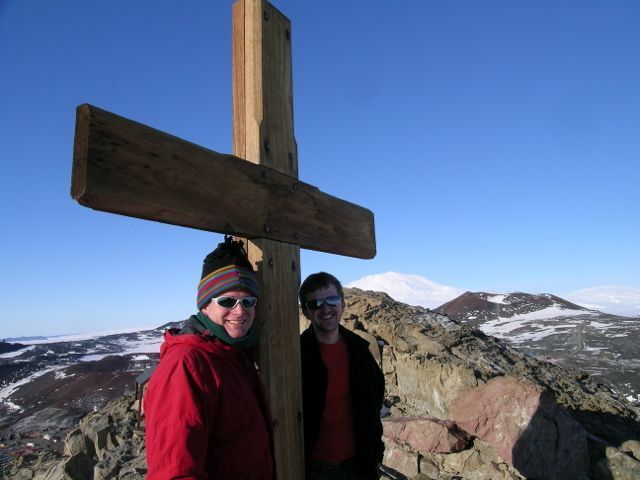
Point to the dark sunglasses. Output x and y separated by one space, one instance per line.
316 304
231 302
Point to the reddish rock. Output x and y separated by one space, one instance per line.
526 426
426 435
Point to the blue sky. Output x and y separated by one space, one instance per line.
496 142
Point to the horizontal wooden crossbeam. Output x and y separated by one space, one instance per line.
121 166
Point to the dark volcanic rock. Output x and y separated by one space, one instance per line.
46 389
71 392
474 308
6 347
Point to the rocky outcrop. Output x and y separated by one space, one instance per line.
478 462
426 435
106 445
435 367
601 344
528 429
461 405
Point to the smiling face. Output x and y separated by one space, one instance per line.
237 320
327 318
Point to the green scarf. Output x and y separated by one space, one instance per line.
218 331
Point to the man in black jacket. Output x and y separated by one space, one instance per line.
342 389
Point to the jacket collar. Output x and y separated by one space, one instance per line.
355 344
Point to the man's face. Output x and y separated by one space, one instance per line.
326 319
237 320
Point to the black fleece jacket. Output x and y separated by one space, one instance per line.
367 394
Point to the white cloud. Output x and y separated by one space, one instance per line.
609 299
409 289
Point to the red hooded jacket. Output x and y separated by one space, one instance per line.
206 413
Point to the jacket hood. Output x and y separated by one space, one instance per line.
173 338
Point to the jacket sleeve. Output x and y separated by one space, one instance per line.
178 408
377 380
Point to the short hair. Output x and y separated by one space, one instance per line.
316 281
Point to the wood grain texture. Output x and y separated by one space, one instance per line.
124 167
263 134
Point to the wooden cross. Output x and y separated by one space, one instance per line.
124 167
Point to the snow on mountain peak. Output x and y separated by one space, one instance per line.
409 289
498 298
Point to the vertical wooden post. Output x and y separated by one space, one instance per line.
263 134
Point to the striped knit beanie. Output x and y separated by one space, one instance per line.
226 268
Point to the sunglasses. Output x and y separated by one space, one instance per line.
316 304
232 302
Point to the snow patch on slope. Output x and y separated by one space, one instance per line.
532 322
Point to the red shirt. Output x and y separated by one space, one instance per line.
336 442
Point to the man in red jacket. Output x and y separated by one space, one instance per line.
206 411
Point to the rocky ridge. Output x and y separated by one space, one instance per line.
461 405
549 327
431 363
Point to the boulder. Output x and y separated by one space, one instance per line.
374 348
529 430
431 385
399 458
479 462
78 467
426 435
77 442
47 465
631 447
617 465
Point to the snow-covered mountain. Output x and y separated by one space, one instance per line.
417 290
555 329
409 289
484 309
